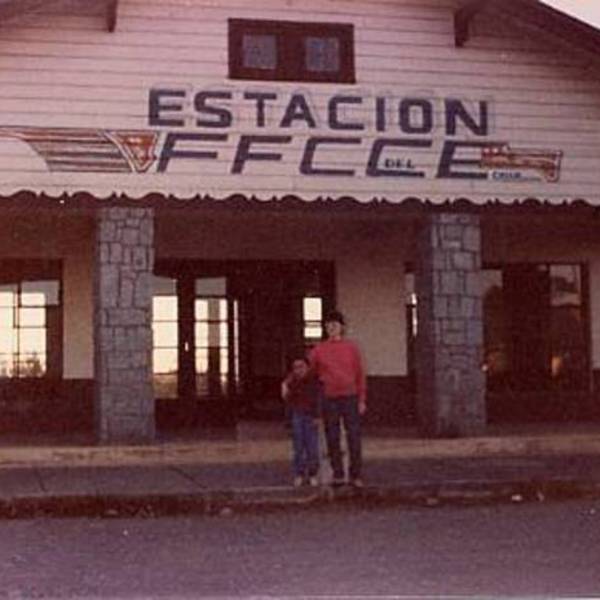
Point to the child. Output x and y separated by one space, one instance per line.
300 390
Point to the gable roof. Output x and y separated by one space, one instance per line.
533 17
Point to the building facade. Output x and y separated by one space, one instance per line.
186 186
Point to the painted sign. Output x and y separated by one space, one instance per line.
394 137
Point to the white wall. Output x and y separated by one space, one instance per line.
369 258
66 71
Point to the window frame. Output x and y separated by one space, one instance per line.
291 57
18 272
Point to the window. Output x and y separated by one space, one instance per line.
568 326
30 321
216 335
534 325
291 51
165 330
312 314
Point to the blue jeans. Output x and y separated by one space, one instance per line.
305 443
335 411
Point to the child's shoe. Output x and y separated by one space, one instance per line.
297 482
313 481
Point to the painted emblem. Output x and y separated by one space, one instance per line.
89 150
511 163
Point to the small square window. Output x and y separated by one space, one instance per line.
322 54
259 51
291 51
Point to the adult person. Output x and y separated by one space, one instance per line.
338 364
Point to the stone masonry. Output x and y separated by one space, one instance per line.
124 400
450 382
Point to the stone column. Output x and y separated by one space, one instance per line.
124 399
449 352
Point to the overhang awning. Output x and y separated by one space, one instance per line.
27 200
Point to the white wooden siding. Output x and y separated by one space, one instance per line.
61 70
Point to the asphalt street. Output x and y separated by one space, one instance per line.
547 549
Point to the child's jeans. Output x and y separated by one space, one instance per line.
305 443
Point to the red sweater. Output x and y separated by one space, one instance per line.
338 365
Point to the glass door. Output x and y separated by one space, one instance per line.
216 339
195 329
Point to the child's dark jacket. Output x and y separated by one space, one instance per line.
303 394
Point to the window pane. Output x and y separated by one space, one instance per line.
223 334
8 295
32 341
313 309
32 364
32 317
7 318
236 323
224 362
6 365
164 286
322 54
211 286
8 340
39 293
495 327
259 51
164 360
165 335
202 360
223 312
313 332
201 310
201 334
565 282
164 308
568 362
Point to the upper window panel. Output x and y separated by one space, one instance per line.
291 51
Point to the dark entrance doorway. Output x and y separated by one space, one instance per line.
224 331
536 347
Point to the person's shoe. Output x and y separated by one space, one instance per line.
313 481
297 482
358 483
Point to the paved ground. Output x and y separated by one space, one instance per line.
528 550
250 471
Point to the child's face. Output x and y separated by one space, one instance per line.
299 368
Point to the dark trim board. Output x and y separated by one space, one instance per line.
47 406
67 406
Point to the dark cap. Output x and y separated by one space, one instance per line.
334 316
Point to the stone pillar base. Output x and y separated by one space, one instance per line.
124 398
450 381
